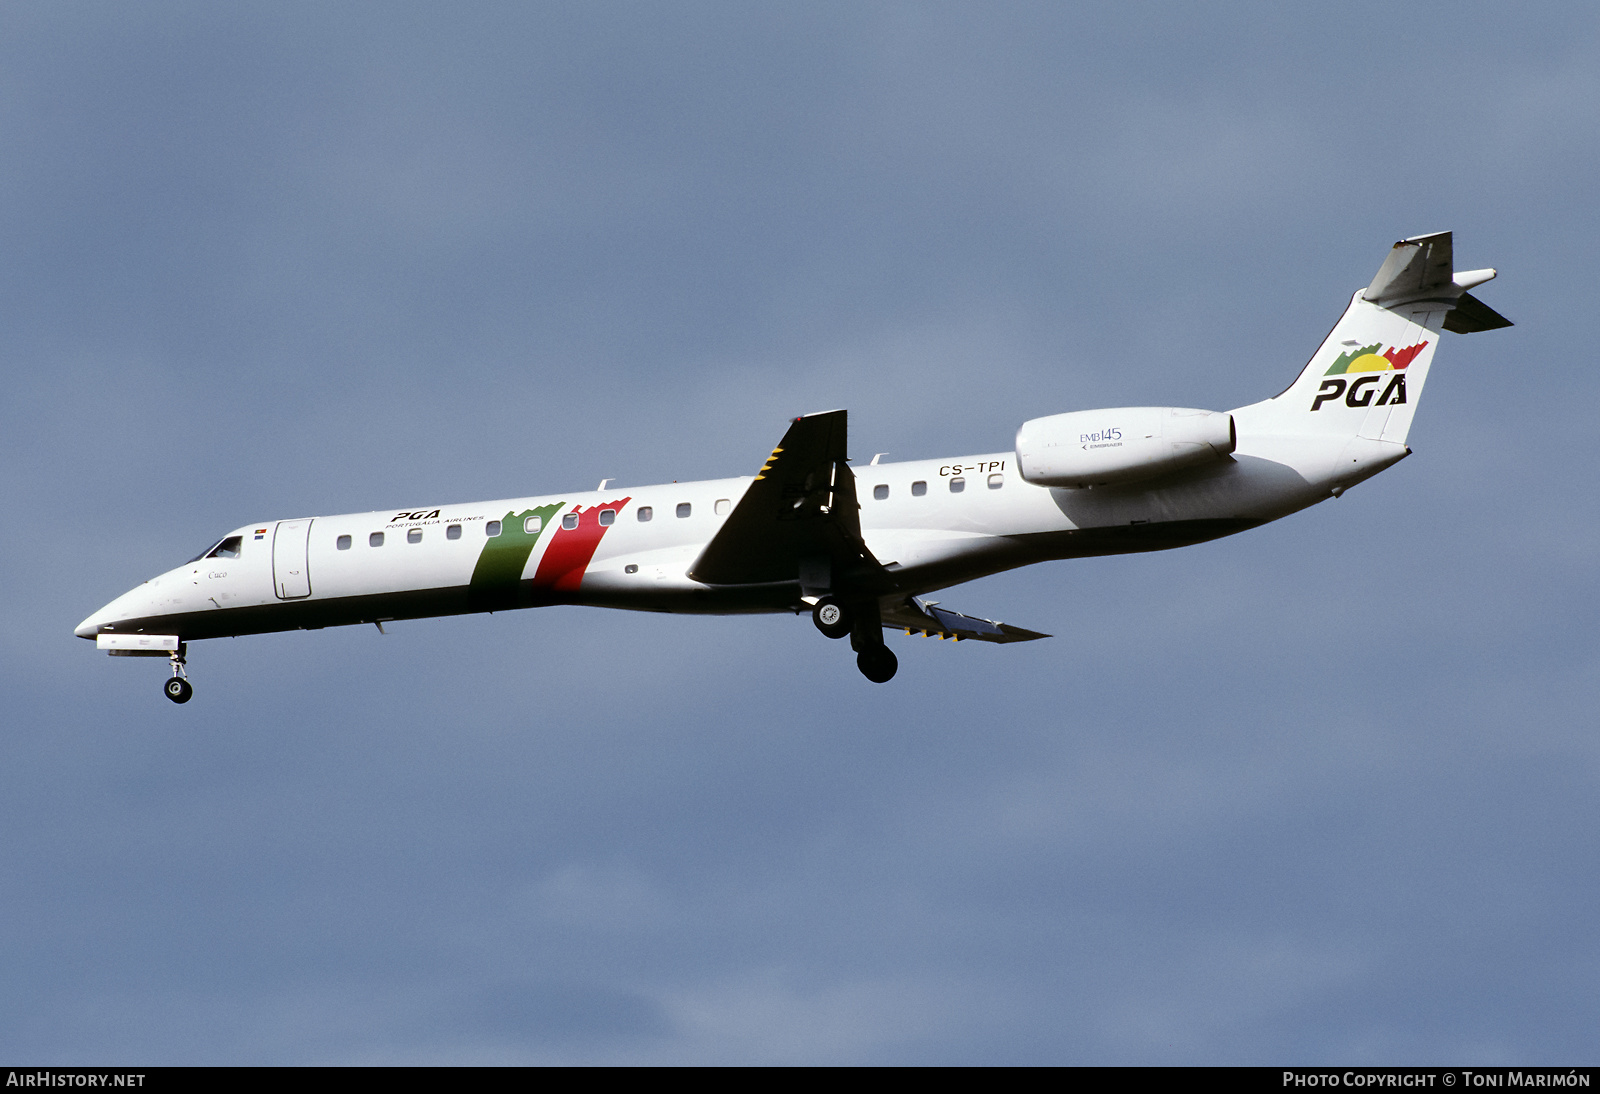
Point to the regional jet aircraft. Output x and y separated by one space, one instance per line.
857 548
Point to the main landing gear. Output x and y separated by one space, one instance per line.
831 618
178 688
860 620
878 663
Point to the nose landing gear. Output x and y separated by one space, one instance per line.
178 688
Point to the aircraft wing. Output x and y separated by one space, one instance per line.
799 518
931 621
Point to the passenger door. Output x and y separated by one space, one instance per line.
290 577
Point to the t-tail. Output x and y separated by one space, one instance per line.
1363 384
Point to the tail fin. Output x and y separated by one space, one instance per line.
1366 378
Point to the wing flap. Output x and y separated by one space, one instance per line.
918 616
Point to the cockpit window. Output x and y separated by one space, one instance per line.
228 548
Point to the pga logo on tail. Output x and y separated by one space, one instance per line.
1361 390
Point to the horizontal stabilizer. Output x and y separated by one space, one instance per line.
1472 315
1416 268
918 616
1420 271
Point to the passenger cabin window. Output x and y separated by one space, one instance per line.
414 536
918 489
452 531
228 548
684 508
375 539
996 481
570 521
608 516
722 506
492 529
343 543
880 491
957 485
646 513
532 525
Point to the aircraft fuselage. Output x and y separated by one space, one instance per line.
855 545
929 525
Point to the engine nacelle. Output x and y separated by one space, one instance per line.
1124 444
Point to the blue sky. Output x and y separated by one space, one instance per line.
1322 792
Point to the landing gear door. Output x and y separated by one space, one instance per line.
290 577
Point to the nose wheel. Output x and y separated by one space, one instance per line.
178 688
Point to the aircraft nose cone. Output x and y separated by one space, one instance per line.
91 626
135 602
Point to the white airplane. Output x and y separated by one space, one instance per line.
858 548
